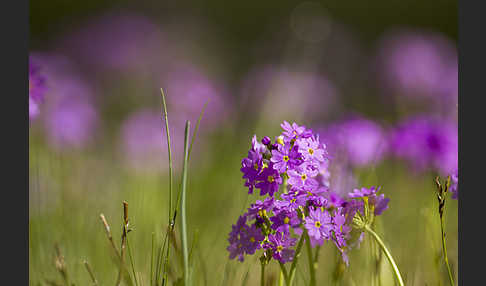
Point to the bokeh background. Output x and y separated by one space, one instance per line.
377 80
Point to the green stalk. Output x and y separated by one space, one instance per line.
283 272
132 263
388 255
444 249
168 149
262 274
170 184
293 267
183 207
312 266
281 278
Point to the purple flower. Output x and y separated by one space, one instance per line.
236 239
188 89
142 141
294 131
285 157
259 208
340 229
290 201
268 181
318 223
71 122
257 146
364 192
300 179
283 220
310 149
37 88
427 143
120 41
454 183
380 203
358 140
280 245
414 64
252 239
251 168
266 140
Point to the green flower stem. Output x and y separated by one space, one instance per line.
293 268
444 249
283 272
388 255
262 276
185 253
281 278
312 266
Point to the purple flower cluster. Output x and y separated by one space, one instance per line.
295 161
37 88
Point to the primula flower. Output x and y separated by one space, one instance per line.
310 149
318 224
285 157
294 131
306 203
269 181
283 220
290 201
300 179
252 239
259 208
251 167
280 245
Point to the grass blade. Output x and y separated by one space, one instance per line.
196 129
183 206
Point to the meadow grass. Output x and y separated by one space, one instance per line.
65 203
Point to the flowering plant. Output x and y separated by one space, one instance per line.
300 206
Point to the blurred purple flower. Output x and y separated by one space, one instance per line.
454 184
37 87
427 143
71 122
122 41
357 140
188 89
417 63
144 144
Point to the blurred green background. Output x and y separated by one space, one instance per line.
73 179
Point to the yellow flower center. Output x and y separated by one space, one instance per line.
286 158
279 248
240 245
318 224
262 213
270 179
286 220
303 177
252 239
256 166
311 151
292 200
309 193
